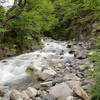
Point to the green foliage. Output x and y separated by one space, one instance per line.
94 89
52 17
1 14
85 19
92 4
47 16
37 16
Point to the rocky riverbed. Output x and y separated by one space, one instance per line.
55 72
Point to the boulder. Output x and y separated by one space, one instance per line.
70 98
32 92
47 73
48 97
33 69
81 93
81 54
60 91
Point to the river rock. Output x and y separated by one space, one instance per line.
81 54
25 95
60 91
71 76
82 68
47 73
46 84
15 95
33 69
48 97
73 83
1 98
2 92
53 62
32 92
80 92
70 98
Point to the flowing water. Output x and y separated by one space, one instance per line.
14 69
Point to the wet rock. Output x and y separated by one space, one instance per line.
60 90
80 92
62 52
32 92
48 97
69 45
46 84
71 51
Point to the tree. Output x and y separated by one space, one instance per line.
19 5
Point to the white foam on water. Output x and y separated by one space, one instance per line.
15 67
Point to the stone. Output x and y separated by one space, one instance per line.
25 95
81 54
33 69
37 98
15 95
73 83
71 76
47 73
1 98
82 68
60 90
70 98
48 97
46 84
32 92
2 92
81 93
91 53
53 62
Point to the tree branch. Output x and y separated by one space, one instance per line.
21 5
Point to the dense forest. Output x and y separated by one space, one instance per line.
28 20
24 24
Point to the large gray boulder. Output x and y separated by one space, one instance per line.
60 91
